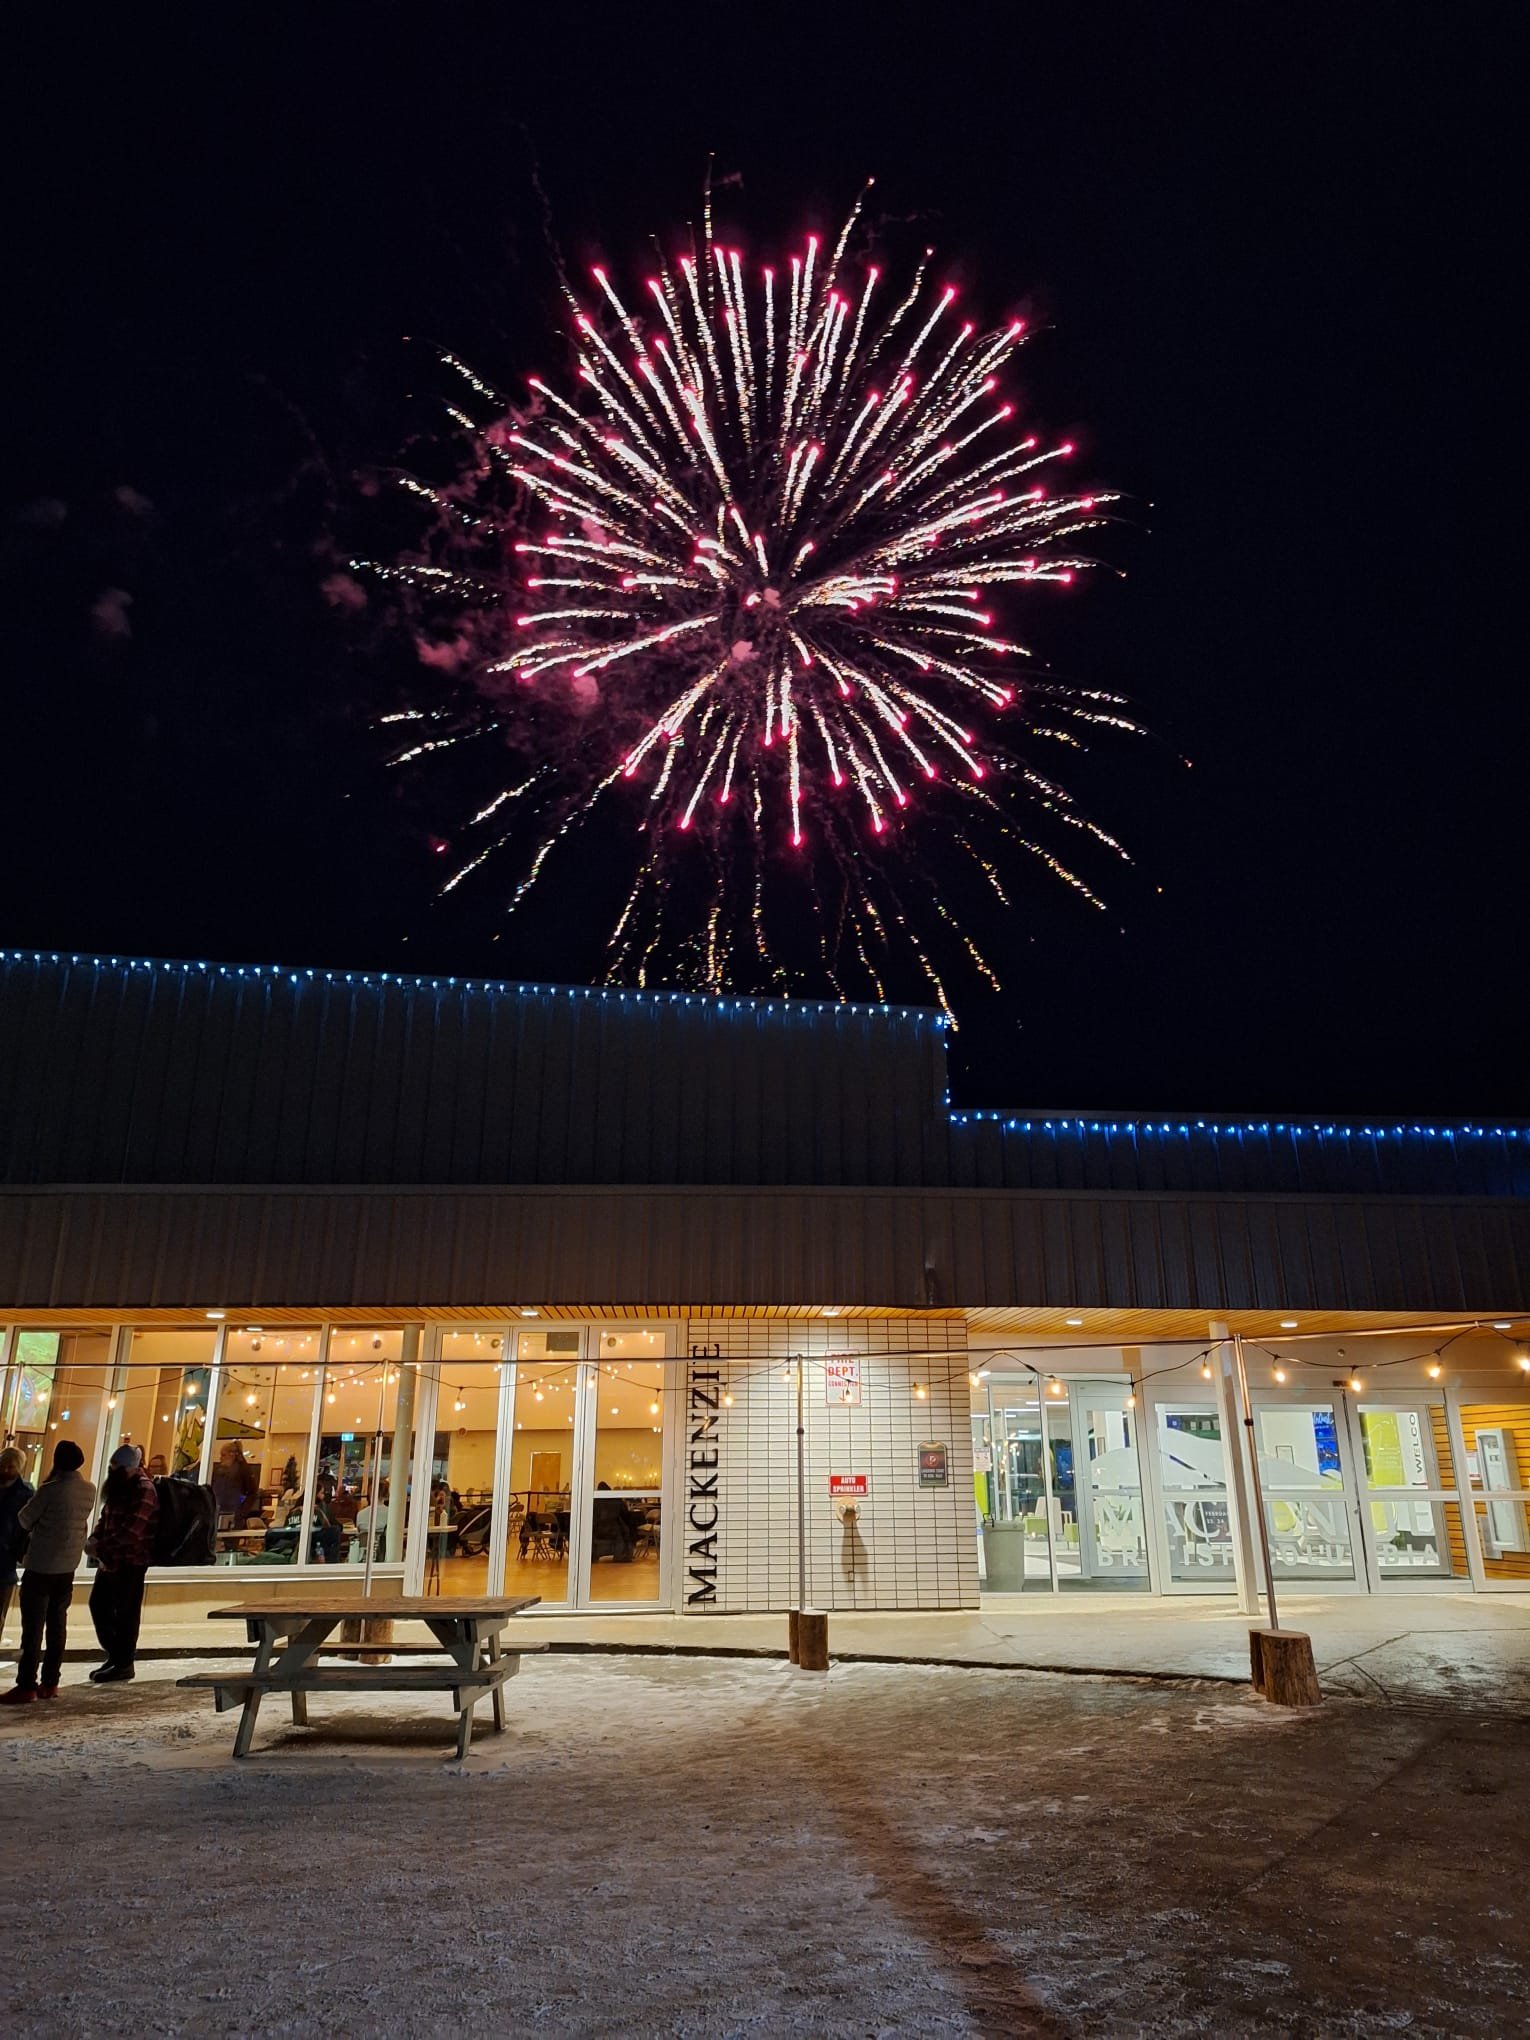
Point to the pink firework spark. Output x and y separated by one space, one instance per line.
771 527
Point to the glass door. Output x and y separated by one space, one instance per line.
1101 1540
1194 1551
1016 1529
622 1506
1310 1508
1411 1520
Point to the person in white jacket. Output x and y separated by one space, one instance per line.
56 1522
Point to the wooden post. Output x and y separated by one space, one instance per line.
1282 1667
373 1629
792 1619
812 1640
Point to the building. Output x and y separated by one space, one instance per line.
452 1283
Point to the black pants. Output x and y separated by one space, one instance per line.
45 1598
116 1608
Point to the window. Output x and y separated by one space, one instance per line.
59 1387
163 1399
260 1448
462 1467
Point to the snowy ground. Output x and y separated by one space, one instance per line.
706 1847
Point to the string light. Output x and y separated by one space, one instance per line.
1280 1375
1205 1370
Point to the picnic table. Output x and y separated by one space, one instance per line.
291 1635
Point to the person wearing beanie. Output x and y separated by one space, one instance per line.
122 1548
15 1491
56 1521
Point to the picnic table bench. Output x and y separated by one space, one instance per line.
291 1635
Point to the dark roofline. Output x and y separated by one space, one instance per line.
441 981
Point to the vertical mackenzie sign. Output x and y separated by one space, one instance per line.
702 1454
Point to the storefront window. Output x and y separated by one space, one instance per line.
467 1430
60 1386
626 1506
1497 1437
163 1400
542 1443
366 1426
260 1450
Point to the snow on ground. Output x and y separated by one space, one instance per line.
708 1846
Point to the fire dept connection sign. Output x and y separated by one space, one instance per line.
842 1383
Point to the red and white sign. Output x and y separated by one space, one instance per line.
847 1487
842 1382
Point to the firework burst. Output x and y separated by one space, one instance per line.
767 532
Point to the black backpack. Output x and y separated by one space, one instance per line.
186 1528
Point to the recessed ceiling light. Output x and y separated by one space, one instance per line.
1289 1324
830 1310
1506 1326
1073 1321
526 1312
217 1313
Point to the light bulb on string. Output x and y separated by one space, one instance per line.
1356 1384
1434 1370
1205 1370
728 1399
1280 1375
1522 1361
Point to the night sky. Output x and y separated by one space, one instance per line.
1274 249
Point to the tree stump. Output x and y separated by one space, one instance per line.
812 1640
1282 1666
374 1629
791 1634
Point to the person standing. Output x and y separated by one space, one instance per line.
56 1520
15 1489
122 1548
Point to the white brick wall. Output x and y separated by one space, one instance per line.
910 1547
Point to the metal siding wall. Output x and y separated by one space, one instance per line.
194 1248
1033 1150
133 1072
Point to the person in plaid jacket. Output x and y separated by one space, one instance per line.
122 1548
